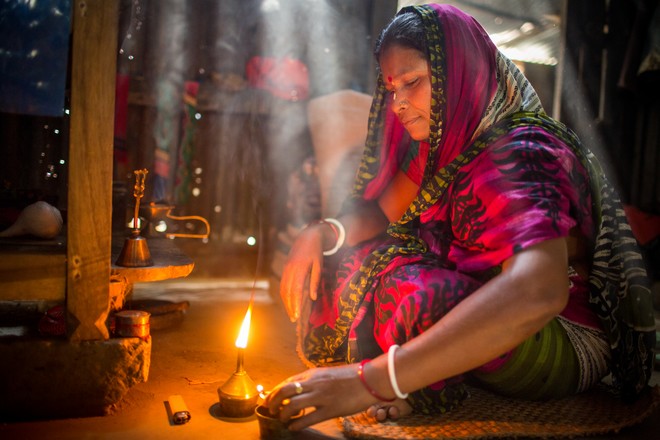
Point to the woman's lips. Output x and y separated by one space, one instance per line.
409 121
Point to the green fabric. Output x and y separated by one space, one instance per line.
545 366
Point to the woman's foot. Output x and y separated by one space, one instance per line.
394 410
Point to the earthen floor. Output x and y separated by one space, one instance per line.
195 356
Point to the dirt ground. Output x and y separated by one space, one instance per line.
194 356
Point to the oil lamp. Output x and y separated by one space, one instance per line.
238 395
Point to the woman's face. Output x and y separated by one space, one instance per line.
406 74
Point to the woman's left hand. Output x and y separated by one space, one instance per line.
322 393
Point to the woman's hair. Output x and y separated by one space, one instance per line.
405 30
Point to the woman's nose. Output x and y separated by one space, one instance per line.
399 103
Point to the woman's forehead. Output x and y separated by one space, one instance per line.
399 61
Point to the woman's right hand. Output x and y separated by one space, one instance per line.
303 266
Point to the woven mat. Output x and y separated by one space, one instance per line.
486 415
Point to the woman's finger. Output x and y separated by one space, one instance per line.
315 279
287 389
292 286
309 418
283 297
285 292
300 287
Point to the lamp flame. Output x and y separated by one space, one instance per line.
241 341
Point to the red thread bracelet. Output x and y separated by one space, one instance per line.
366 385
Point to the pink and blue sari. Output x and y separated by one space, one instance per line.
496 176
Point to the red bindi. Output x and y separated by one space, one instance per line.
389 79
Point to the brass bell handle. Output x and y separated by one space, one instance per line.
138 193
189 217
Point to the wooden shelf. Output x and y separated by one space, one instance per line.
32 270
169 262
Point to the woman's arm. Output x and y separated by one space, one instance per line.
371 219
531 290
305 259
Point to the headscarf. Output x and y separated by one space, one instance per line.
474 90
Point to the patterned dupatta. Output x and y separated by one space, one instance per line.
478 97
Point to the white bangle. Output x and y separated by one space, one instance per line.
341 236
392 373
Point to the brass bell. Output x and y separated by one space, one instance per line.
135 252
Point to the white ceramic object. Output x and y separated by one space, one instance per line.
39 219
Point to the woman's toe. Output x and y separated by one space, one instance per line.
393 412
378 412
381 414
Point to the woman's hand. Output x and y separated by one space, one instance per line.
302 270
322 393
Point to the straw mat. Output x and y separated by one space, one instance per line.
486 415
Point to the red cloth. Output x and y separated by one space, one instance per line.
122 86
645 226
286 78
53 322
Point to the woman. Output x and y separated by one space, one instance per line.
481 242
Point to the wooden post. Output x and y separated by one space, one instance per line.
89 228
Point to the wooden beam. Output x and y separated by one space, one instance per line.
89 227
